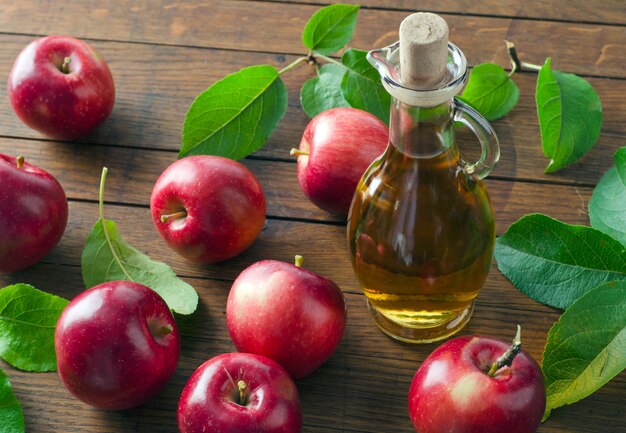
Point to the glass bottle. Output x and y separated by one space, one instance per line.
421 229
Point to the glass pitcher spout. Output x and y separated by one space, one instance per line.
387 62
423 104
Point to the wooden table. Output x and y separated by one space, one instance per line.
164 53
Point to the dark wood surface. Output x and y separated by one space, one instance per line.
163 53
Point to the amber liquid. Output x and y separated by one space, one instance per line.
421 234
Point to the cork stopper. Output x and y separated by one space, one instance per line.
423 50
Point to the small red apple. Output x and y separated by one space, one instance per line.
286 313
117 345
240 393
473 384
62 87
336 148
208 208
33 213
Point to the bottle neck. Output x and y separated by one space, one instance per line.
421 132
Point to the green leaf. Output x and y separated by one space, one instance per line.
11 415
620 163
330 28
103 261
108 257
324 92
235 116
570 116
555 263
361 85
607 207
490 91
28 318
587 346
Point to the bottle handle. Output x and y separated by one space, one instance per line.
487 137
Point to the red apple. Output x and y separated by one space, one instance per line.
457 389
33 213
240 393
286 313
61 87
117 345
208 208
337 147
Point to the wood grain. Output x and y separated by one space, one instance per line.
163 53
323 246
613 12
276 27
131 179
153 96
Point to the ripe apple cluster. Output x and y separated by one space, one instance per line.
285 321
63 88
117 344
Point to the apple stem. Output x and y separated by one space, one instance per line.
162 331
65 67
175 215
299 261
243 392
507 358
298 152
20 162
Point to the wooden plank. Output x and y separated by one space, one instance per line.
152 97
611 11
141 168
362 388
131 180
274 27
281 240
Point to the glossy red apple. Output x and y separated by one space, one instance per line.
208 208
337 147
457 389
61 87
240 393
33 213
117 345
286 313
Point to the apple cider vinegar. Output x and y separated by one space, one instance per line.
421 230
421 239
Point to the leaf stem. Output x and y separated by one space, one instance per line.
19 161
104 226
516 63
293 64
299 261
329 59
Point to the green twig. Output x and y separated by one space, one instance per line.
516 63
329 59
293 64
